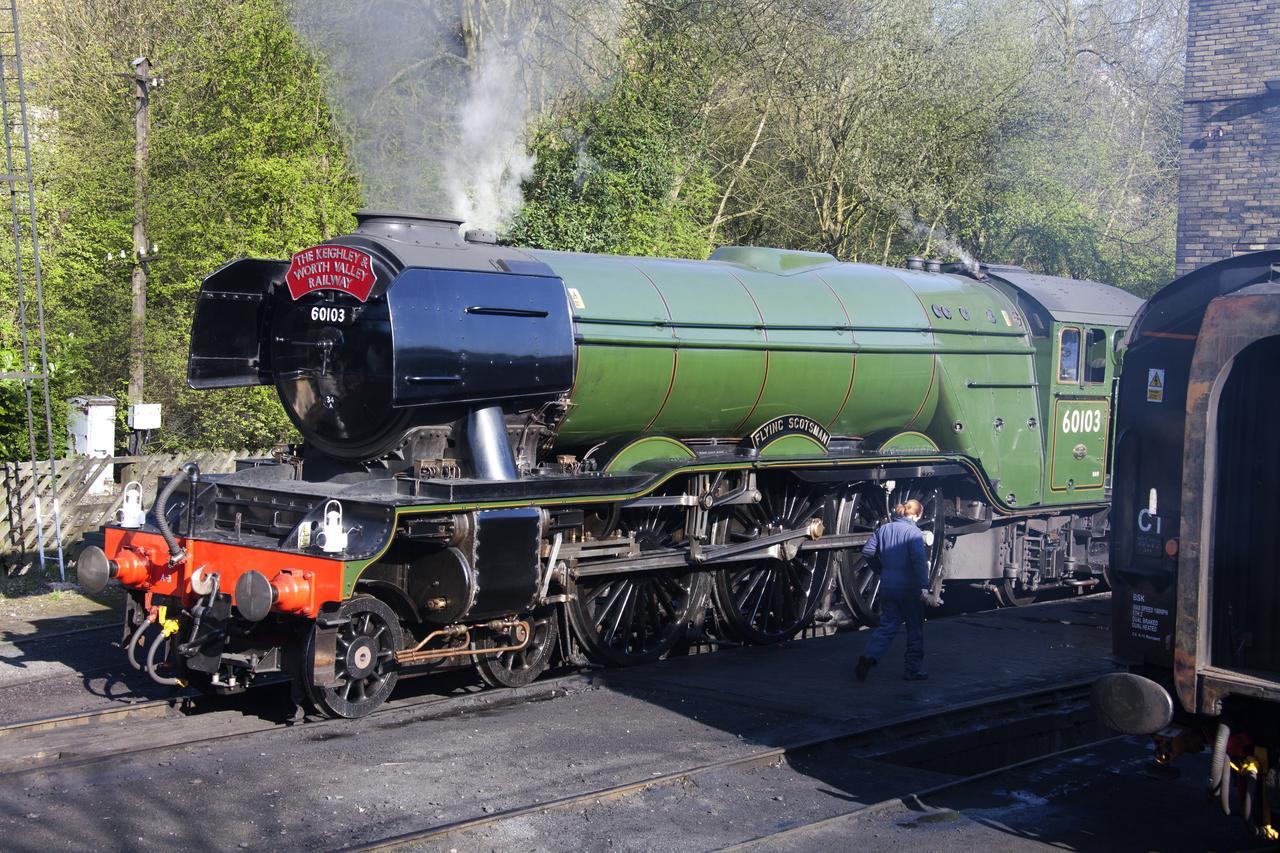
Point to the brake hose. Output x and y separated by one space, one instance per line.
151 663
133 642
176 553
1219 756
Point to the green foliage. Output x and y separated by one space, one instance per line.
245 159
1042 133
613 176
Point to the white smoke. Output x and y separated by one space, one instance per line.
437 98
933 237
484 172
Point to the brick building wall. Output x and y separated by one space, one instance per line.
1229 185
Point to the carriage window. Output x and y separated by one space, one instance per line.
1095 356
1069 355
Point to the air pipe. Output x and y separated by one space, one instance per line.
133 642
151 664
176 552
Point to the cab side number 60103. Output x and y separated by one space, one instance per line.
1077 420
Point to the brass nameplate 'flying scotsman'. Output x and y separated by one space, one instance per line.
790 425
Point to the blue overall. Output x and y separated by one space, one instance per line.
904 573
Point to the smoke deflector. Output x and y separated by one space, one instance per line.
474 337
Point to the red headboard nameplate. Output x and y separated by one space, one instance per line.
331 268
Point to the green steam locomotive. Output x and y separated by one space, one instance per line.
513 454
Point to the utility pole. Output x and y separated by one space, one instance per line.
144 81
138 286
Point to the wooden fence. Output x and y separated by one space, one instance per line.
27 522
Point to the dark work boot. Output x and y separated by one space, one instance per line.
863 667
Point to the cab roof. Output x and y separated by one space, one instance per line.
1070 300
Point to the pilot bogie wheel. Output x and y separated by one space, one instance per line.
519 668
365 668
867 508
772 599
635 618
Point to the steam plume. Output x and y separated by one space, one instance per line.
933 236
437 97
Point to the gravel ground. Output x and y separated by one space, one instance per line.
307 787
1108 797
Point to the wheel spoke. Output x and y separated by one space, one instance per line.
624 610
620 592
665 598
655 621
637 621
591 596
658 614
779 601
766 583
791 587
754 579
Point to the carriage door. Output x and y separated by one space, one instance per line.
1080 413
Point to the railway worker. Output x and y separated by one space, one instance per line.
904 582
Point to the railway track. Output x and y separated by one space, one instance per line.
189 718
148 709
799 835
962 729
44 742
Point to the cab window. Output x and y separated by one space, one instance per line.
1069 355
1095 356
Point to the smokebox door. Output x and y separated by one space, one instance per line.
229 324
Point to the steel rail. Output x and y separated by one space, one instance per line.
965 711
39 759
915 798
146 709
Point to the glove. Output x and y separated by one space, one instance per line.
931 599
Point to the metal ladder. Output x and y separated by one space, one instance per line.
27 278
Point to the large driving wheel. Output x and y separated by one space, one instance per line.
520 667
636 618
862 511
772 600
364 667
